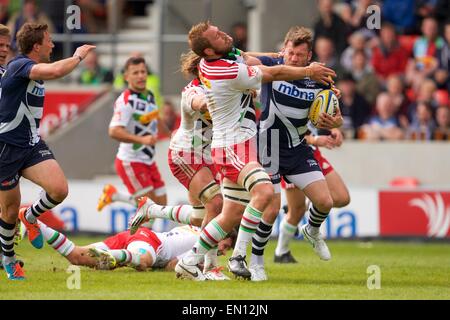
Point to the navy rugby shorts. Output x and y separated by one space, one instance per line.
14 159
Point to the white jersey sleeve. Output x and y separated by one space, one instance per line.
122 113
248 78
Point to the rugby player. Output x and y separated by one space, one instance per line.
247 189
22 151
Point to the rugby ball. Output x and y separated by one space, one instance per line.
325 101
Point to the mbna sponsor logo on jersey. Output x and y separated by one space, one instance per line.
294 91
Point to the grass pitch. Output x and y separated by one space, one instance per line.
408 271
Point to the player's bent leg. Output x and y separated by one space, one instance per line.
261 237
9 205
49 175
296 209
321 204
338 189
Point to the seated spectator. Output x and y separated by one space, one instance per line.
426 94
4 14
354 108
384 125
29 13
239 34
389 57
366 82
330 25
170 117
92 73
423 125
152 84
93 15
325 53
443 56
424 62
357 42
396 90
442 130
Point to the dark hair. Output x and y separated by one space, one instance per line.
30 34
133 61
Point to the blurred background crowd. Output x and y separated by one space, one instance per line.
394 80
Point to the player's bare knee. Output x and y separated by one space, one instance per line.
59 192
216 204
341 201
324 204
263 194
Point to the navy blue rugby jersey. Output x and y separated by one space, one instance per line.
21 104
285 106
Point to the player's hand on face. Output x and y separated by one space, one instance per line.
84 50
149 140
321 74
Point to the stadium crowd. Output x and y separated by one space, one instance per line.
394 81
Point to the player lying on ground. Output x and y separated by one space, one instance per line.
144 250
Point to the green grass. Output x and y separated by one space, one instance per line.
408 271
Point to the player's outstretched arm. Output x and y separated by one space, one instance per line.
316 71
58 69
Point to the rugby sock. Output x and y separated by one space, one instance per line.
124 197
209 238
211 260
259 242
287 232
181 214
124 257
56 240
43 204
7 231
316 218
249 223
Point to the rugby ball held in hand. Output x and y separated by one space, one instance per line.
326 101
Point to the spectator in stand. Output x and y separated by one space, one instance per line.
396 91
4 14
354 108
152 84
442 130
92 73
29 13
170 118
325 53
401 14
354 14
93 15
330 25
443 56
384 125
366 82
426 94
239 34
389 57
423 125
357 42
442 13
424 62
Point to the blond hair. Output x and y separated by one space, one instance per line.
4 31
197 41
299 35
189 62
